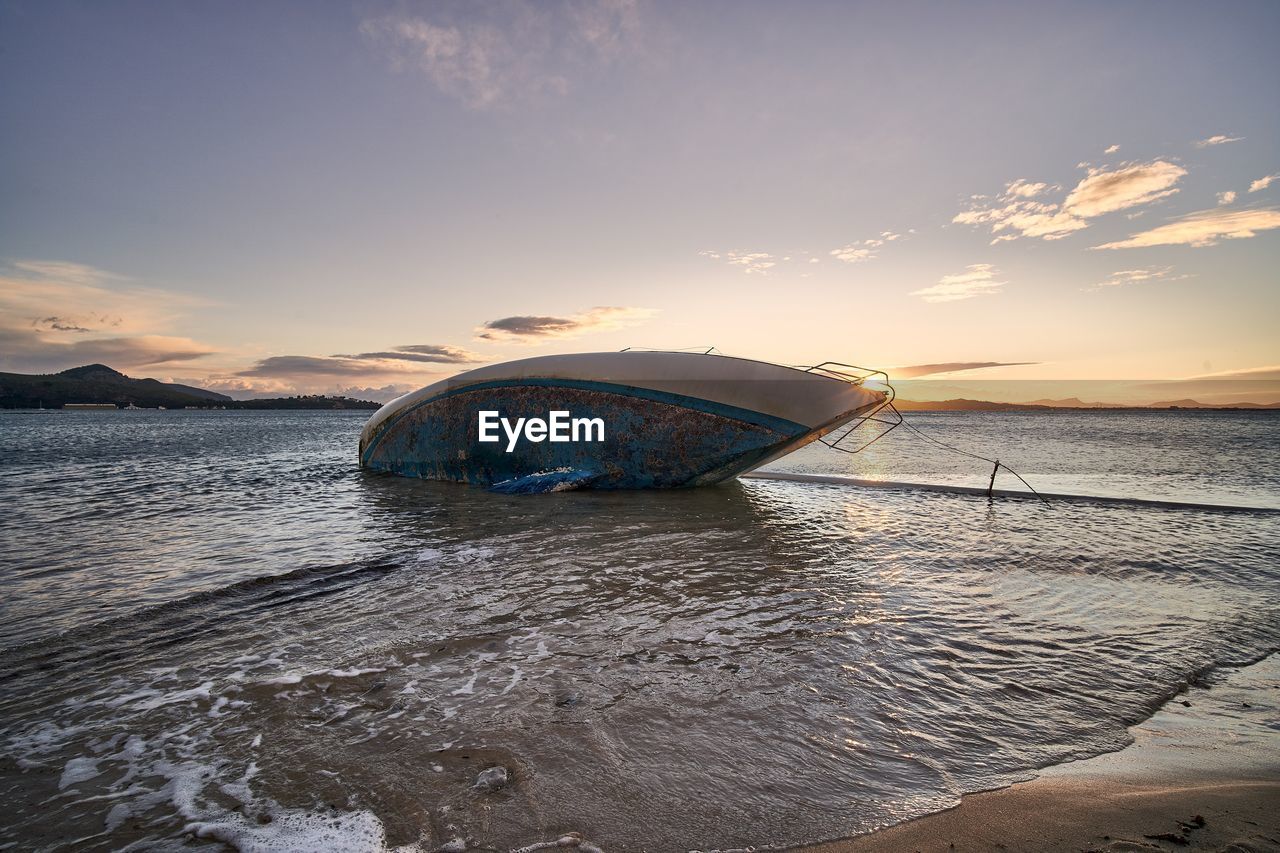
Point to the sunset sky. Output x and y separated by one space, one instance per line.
270 197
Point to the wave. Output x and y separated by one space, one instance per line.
183 620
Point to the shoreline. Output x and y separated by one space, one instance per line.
1203 773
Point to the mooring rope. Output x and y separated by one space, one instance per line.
996 462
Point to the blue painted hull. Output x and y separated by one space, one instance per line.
652 439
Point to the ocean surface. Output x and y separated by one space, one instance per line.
216 629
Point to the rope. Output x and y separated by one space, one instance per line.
996 462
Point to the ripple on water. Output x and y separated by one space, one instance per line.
318 656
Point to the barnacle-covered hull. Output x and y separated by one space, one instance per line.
669 420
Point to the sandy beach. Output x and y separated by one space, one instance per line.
1203 773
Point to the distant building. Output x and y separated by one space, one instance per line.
89 406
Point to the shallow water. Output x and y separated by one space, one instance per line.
1219 457
216 627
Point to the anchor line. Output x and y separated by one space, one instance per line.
996 462
902 421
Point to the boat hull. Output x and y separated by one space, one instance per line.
654 437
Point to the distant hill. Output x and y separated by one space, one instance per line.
967 406
97 383
308 402
1195 404
1075 403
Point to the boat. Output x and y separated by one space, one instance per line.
615 420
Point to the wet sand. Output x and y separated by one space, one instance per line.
1105 814
1203 773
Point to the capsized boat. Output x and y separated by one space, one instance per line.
614 420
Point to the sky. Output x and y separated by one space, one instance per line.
364 197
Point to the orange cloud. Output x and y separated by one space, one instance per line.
976 280
1019 213
1205 228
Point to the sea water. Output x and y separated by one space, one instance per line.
217 629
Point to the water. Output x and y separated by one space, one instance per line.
1230 458
216 628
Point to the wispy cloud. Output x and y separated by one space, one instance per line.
1016 217
1111 149
1262 183
1123 277
751 262
1204 228
976 280
1226 197
1267 372
66 272
1025 189
497 55
1220 139
428 353
25 350
1105 191
1019 212
535 329
862 250
298 366
916 370
58 314
400 368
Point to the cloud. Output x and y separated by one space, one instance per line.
609 27
1129 186
976 280
496 56
59 324
313 373
276 380
751 262
431 353
23 349
59 314
383 394
250 388
1204 228
862 250
1026 218
1268 372
1017 211
295 366
851 254
916 370
1025 189
1263 183
1226 197
65 271
1216 140
534 329
1111 149
1123 277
